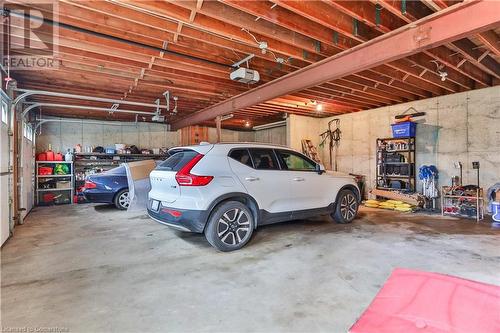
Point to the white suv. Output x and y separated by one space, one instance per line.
227 190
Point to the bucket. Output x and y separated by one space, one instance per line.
404 129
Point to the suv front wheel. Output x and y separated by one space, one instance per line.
346 207
230 226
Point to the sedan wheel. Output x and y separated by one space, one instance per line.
122 200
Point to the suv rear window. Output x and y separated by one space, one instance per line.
177 160
242 156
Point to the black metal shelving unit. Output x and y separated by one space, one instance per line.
90 163
396 164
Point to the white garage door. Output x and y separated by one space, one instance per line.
4 169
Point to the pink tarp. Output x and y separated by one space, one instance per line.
413 301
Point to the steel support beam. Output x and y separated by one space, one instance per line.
466 19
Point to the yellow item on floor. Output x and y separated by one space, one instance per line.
396 205
396 202
372 202
371 205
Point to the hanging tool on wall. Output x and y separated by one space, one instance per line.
405 116
332 135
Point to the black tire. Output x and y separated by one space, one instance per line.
346 207
230 226
119 201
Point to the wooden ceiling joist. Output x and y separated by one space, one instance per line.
138 49
474 17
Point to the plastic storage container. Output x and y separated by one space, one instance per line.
404 129
50 155
45 171
41 157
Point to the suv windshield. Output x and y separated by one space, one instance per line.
177 160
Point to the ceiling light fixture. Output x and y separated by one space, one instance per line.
440 70
247 124
319 107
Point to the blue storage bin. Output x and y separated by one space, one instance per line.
110 151
404 129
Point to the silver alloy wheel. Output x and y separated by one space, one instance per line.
348 206
124 200
233 226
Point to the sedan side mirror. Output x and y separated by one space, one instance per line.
320 169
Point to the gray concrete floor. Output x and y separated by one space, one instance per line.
90 268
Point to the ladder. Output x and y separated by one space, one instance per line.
310 151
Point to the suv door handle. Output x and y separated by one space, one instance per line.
298 179
251 179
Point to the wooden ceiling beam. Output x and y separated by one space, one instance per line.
473 17
477 56
423 61
491 40
126 17
361 9
254 9
356 87
455 60
214 19
413 13
367 13
292 21
383 81
301 99
395 75
330 17
350 99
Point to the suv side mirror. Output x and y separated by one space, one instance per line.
320 168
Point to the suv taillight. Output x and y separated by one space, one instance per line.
185 178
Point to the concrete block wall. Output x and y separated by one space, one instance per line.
144 135
461 127
67 135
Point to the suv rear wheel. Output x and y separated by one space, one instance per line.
230 226
346 208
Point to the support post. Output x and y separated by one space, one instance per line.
218 125
15 154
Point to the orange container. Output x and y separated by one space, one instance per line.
41 157
50 155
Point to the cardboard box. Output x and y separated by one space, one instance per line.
63 184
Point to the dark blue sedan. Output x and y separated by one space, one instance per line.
108 187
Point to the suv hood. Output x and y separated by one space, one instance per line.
338 174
